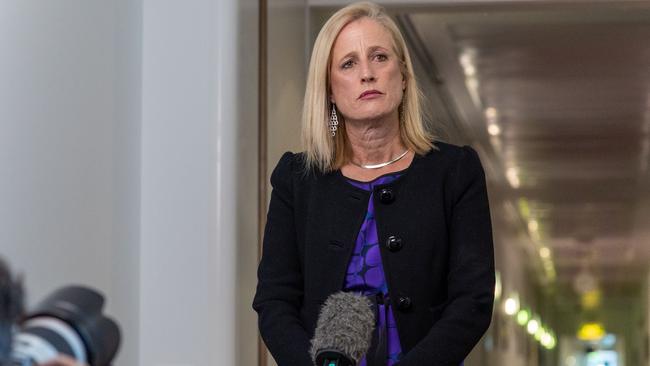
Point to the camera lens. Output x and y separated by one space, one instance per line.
69 322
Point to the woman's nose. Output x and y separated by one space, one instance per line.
367 74
367 78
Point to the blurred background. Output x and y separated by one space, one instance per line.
137 138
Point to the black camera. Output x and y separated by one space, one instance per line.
68 322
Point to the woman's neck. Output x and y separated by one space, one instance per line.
373 142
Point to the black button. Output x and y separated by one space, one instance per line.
393 243
386 195
404 303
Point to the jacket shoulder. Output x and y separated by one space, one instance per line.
291 166
458 160
448 151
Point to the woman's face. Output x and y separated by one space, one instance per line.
365 77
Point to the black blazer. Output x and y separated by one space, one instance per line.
440 279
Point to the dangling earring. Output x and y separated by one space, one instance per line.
334 121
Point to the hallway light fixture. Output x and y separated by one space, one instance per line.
532 326
541 330
544 252
523 316
511 305
592 331
546 338
493 129
535 327
590 299
491 121
513 177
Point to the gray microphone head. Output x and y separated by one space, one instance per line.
345 324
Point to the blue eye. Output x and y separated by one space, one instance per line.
347 65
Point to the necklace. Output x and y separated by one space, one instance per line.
380 165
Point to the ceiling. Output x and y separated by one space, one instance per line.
558 100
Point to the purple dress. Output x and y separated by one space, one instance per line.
365 273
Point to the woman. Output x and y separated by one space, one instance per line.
372 206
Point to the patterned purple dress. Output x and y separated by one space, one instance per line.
365 273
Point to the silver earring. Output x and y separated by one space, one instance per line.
334 121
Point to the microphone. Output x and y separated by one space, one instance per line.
343 331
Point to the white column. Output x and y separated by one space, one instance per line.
190 169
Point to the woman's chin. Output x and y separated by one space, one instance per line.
371 117
370 114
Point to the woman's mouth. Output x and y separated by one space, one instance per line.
369 94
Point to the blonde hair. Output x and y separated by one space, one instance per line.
321 150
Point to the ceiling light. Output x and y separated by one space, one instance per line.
494 129
584 282
511 306
544 252
539 333
491 113
590 299
552 343
512 176
523 316
591 332
465 60
533 326
470 70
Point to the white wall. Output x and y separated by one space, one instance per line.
69 149
125 290
128 163
56 142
